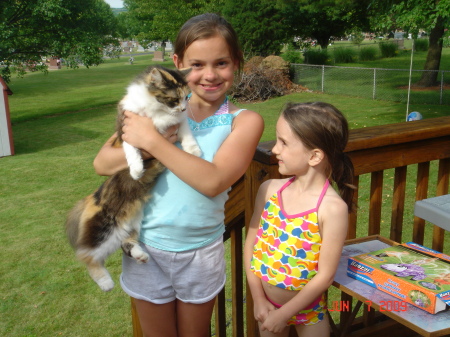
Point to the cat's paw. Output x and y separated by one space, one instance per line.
139 255
105 283
194 149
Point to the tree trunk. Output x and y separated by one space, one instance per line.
323 41
163 48
429 78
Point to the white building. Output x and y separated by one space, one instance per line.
6 138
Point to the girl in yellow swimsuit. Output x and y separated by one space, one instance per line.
299 224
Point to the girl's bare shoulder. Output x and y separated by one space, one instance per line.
333 206
244 114
270 187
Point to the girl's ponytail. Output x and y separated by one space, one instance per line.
343 175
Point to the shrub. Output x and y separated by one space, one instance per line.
367 54
356 37
421 44
446 39
344 55
292 56
316 56
388 49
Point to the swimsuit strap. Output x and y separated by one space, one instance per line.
223 109
286 185
238 112
324 190
322 194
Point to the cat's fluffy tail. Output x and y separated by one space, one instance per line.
73 223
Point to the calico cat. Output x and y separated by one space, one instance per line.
111 217
160 102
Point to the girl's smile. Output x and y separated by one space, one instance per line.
212 67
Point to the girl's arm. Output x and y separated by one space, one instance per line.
334 218
111 159
209 178
261 306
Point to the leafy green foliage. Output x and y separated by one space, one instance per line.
388 49
261 26
421 44
317 56
357 37
412 15
344 55
446 39
30 31
292 55
322 19
367 54
160 20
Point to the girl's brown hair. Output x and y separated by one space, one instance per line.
205 26
321 126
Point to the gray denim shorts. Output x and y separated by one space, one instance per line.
195 276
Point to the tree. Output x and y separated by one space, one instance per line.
160 20
262 27
128 27
78 31
322 19
412 15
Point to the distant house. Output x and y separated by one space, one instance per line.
6 138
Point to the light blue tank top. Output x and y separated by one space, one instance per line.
177 217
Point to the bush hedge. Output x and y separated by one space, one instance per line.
345 55
317 56
388 49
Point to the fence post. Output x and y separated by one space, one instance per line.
442 88
323 77
374 94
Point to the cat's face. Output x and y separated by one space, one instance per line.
170 89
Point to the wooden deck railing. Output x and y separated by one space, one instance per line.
393 168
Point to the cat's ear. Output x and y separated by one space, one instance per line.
155 76
185 71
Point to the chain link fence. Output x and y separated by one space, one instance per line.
374 83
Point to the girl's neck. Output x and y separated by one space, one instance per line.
199 109
302 194
308 182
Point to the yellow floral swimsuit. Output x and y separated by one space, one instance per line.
286 252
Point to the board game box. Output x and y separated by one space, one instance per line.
413 273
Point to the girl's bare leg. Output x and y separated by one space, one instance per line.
157 320
194 319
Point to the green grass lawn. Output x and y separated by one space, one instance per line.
60 120
382 79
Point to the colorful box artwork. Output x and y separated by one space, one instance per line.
413 273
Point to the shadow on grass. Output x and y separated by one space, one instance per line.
55 131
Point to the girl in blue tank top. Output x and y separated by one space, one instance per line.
184 221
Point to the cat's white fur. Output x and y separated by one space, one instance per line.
139 101
101 276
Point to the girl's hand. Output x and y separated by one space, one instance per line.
275 322
261 309
140 131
